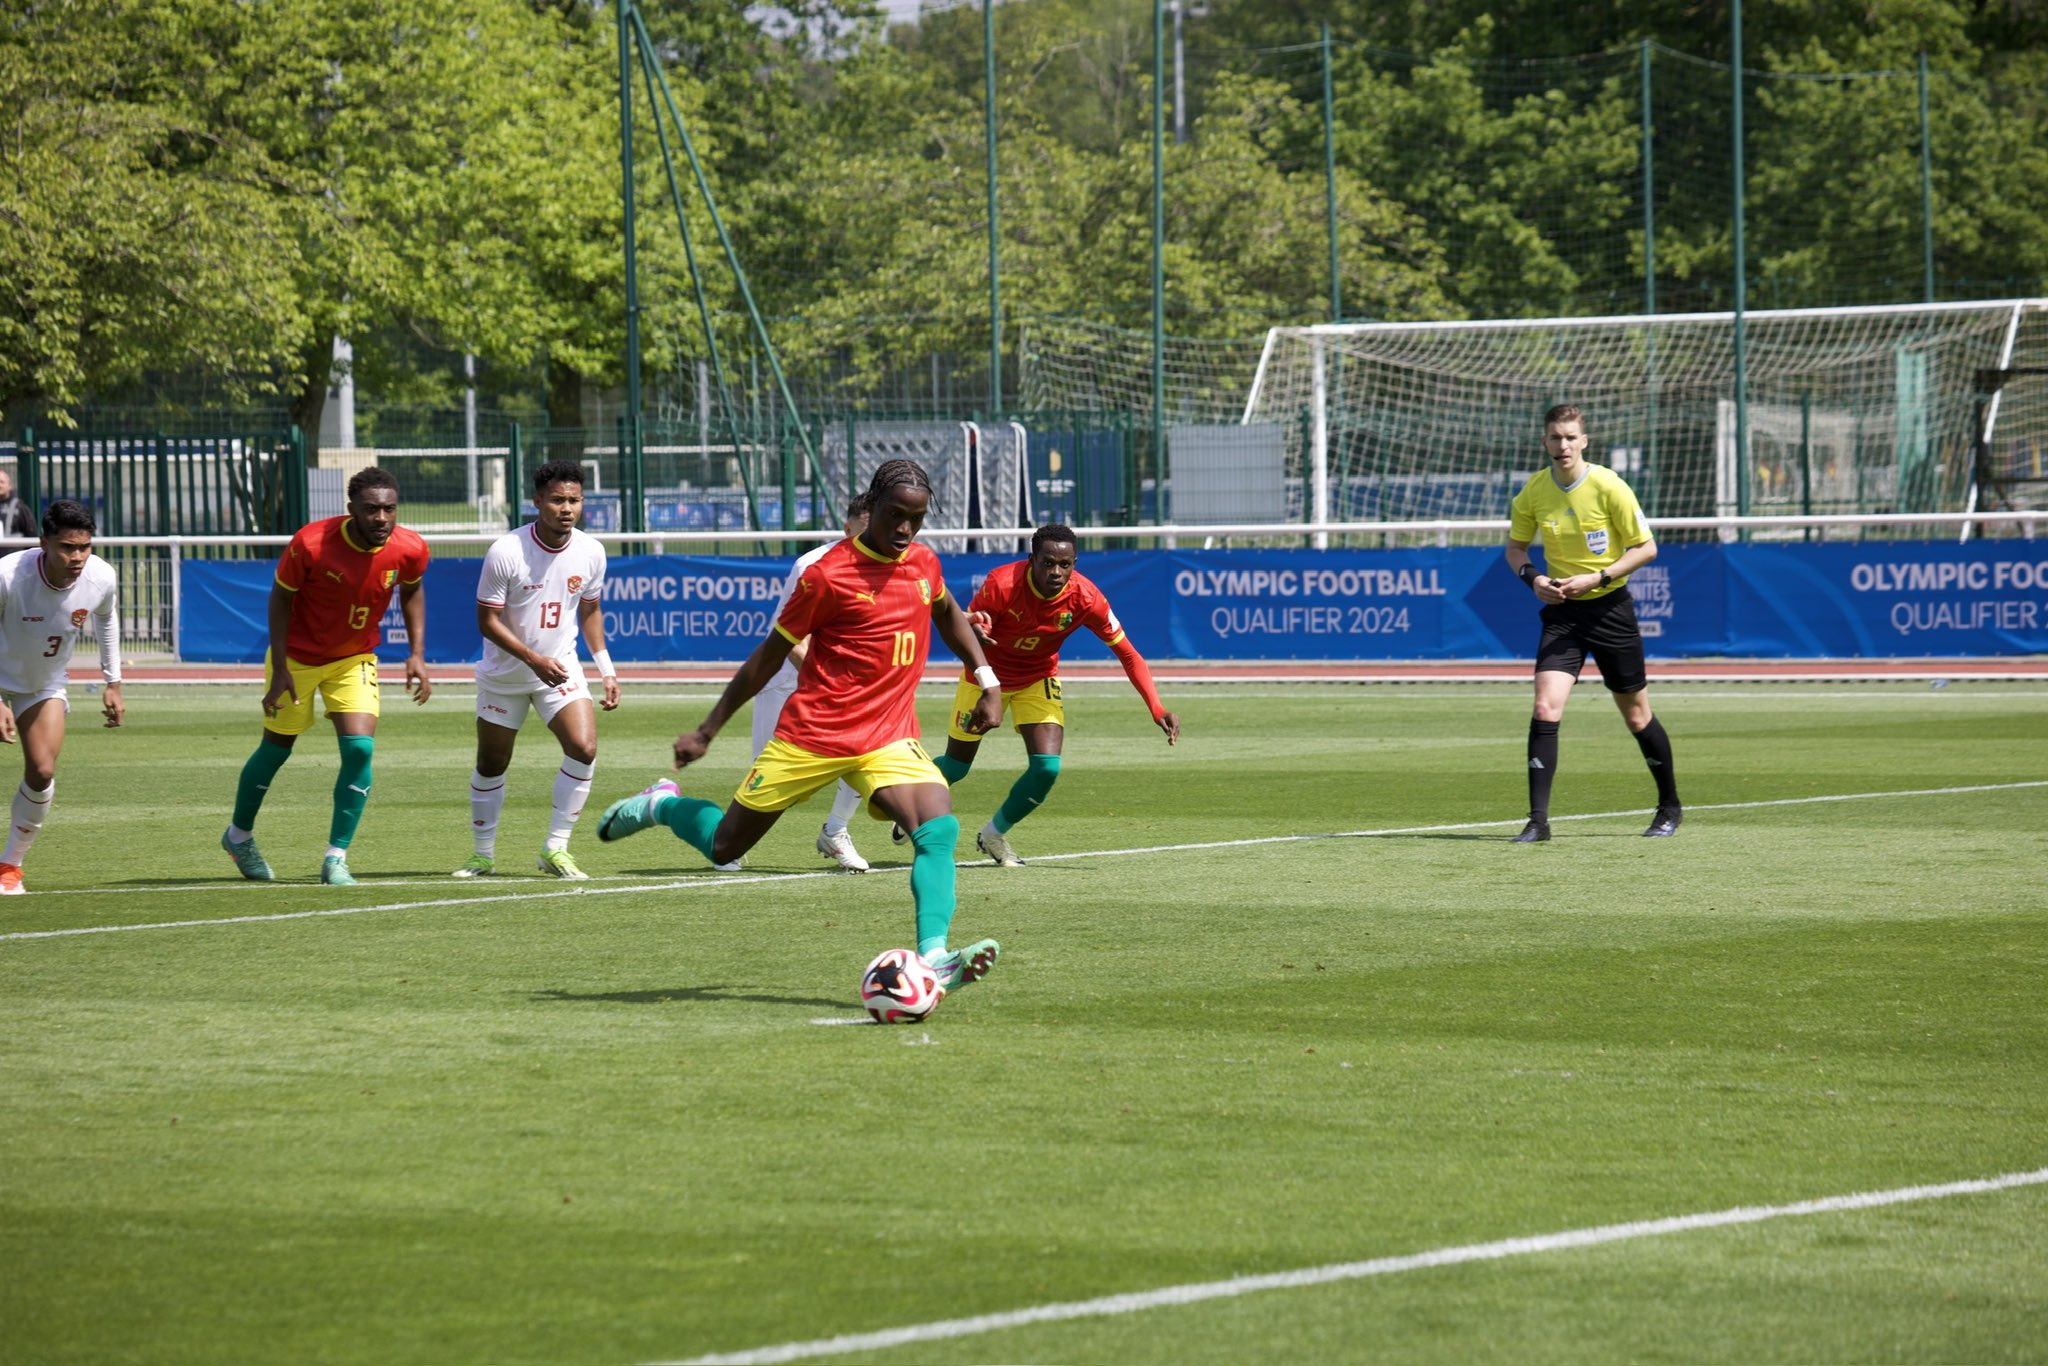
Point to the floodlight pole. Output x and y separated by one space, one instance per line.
1741 271
1926 189
1158 247
632 516
1330 178
995 288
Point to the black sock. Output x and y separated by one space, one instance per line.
1542 766
1656 748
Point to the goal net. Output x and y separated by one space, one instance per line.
1864 410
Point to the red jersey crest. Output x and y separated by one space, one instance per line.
575 582
78 619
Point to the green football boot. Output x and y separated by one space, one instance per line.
249 861
334 872
479 865
558 863
631 815
958 967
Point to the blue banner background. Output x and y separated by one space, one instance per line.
1765 601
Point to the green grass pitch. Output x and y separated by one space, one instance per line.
421 1120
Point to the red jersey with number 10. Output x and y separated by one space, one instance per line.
1029 629
869 620
342 588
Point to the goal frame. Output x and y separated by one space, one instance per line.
1318 337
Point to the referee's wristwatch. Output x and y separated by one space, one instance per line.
1605 578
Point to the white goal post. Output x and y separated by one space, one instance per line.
1883 410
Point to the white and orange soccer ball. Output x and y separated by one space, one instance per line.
899 987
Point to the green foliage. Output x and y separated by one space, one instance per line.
195 199
133 236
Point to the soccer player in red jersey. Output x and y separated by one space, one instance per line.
1022 612
869 607
332 586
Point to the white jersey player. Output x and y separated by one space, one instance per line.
835 841
49 596
541 587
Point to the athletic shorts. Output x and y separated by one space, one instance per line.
19 702
504 705
784 775
1033 704
345 685
1603 627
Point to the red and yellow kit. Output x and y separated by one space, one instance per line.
343 588
1029 630
869 620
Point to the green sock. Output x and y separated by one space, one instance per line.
954 769
693 819
256 775
931 880
1031 788
351 788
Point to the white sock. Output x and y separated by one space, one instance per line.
572 789
237 835
486 800
846 803
30 807
336 851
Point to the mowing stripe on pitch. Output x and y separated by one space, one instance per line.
1172 1296
713 884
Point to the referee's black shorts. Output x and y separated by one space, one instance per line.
1604 627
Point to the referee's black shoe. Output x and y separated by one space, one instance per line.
1537 831
1665 822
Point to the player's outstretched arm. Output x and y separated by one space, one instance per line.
752 676
958 632
1140 675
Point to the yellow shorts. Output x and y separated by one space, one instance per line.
345 685
1031 705
784 775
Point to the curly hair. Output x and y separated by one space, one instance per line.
557 472
374 477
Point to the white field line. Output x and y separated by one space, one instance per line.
713 884
1174 1296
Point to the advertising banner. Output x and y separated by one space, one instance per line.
1868 599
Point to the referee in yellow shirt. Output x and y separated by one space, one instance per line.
1594 537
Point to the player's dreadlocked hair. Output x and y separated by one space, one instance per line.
897 474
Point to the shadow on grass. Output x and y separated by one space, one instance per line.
1484 837
672 995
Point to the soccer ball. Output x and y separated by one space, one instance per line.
899 987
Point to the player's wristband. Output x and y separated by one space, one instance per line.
603 660
986 677
1528 574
